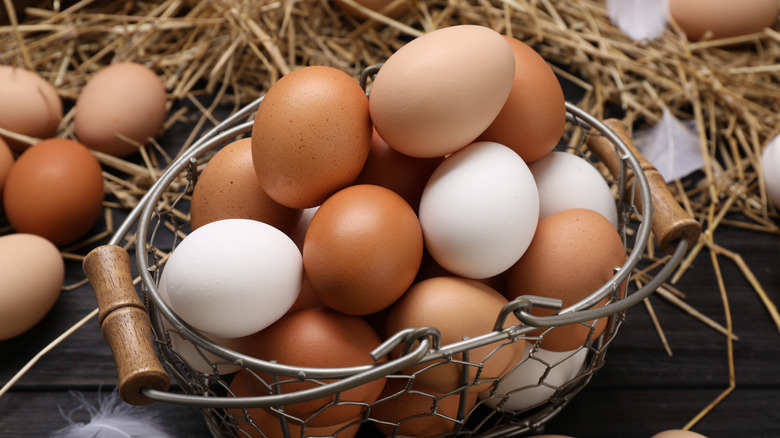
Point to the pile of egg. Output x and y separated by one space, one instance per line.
432 200
52 187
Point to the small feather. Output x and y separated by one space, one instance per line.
672 146
111 418
641 20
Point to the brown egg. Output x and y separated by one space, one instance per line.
398 172
574 252
459 308
30 106
6 161
362 249
724 18
311 136
125 99
227 188
54 190
417 413
531 121
319 338
270 424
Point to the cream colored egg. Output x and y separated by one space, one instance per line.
437 93
32 270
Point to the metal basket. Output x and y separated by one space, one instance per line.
141 332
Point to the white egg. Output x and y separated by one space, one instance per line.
234 277
196 357
770 162
535 379
479 210
566 181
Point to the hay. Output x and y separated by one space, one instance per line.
234 50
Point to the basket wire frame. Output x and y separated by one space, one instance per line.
209 391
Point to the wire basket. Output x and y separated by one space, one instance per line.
147 337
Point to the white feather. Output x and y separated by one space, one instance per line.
672 146
641 20
111 418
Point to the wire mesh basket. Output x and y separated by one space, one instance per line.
148 339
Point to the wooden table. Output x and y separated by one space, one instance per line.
640 391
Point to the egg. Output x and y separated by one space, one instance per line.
565 180
677 433
32 270
318 338
31 106
398 172
723 18
438 92
458 308
479 210
531 121
404 410
227 188
536 379
6 161
770 165
195 357
54 190
233 277
270 424
120 107
573 253
362 249
311 136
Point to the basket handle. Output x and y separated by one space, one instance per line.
670 222
125 324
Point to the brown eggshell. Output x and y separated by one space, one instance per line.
227 188
319 338
54 190
30 106
311 136
459 308
362 249
724 18
123 99
531 121
678 433
6 161
269 423
415 413
573 253
398 172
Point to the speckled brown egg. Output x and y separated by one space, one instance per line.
54 190
531 121
121 107
573 253
458 308
362 249
401 173
227 188
30 106
311 136
319 338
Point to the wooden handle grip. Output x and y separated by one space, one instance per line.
670 221
125 324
